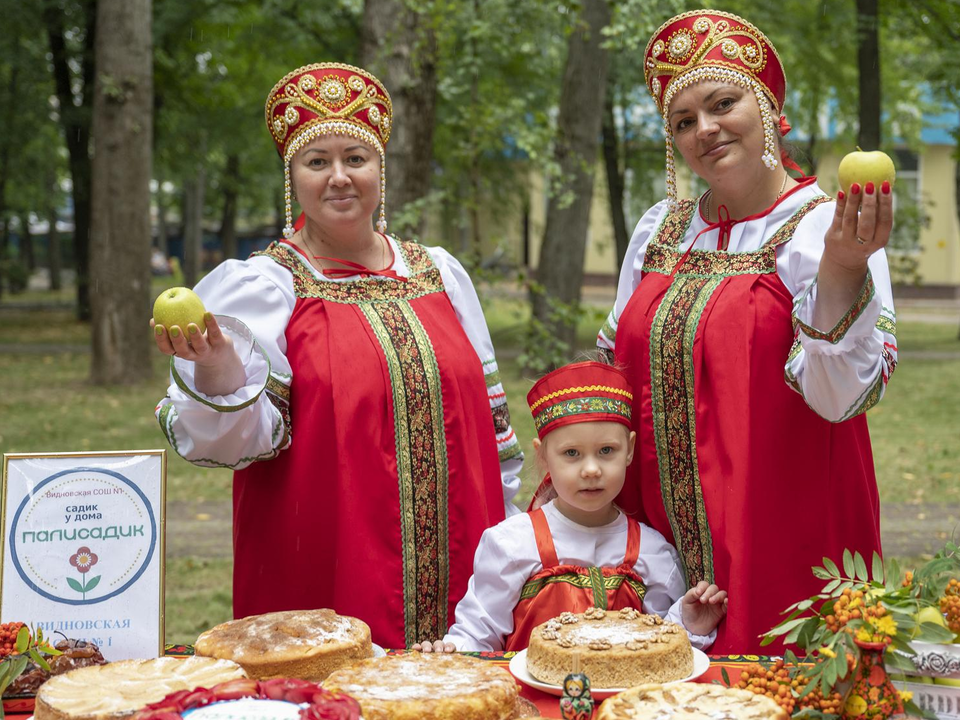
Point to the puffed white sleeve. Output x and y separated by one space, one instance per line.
505 559
630 273
467 307
251 424
659 567
841 371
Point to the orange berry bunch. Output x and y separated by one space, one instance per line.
776 683
8 638
950 605
846 608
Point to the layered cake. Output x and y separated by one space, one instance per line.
117 690
614 649
279 699
431 686
304 644
689 701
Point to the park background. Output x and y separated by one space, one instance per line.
524 142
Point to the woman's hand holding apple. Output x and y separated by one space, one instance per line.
219 370
861 226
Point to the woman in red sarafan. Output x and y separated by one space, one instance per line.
756 326
349 379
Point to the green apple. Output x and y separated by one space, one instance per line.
863 167
947 681
179 306
931 615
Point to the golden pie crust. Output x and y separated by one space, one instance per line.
118 689
615 649
303 644
431 686
689 701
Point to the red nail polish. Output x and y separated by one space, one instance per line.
841 195
869 188
885 187
855 188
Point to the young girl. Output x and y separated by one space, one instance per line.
578 550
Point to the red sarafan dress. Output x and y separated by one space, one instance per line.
378 505
751 485
571 588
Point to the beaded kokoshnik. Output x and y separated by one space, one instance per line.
713 45
328 99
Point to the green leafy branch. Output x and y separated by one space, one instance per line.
27 649
812 625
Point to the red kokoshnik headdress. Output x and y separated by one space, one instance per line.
715 45
581 392
328 99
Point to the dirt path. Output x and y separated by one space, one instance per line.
203 529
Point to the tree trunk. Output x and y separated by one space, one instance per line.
27 255
615 183
75 119
163 225
194 190
228 224
868 60
400 48
560 270
54 258
120 222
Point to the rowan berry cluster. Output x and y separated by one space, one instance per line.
777 682
8 638
950 605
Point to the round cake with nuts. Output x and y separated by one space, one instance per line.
302 644
615 649
690 701
428 686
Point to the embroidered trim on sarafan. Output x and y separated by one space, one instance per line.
424 278
609 582
422 466
662 254
675 424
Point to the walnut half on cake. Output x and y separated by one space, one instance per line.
303 644
689 701
615 649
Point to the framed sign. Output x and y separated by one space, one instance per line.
82 547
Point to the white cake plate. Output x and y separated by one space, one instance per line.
518 666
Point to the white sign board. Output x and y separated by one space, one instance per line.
82 550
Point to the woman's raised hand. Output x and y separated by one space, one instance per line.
854 236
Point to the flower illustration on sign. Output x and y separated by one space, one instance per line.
83 560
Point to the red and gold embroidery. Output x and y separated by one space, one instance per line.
424 278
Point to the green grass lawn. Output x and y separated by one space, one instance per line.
48 405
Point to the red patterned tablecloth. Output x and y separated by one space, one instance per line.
547 704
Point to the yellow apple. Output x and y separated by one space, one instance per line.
863 167
179 306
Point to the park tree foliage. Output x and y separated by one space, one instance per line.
484 97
